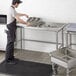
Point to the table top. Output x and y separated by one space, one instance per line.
53 27
71 27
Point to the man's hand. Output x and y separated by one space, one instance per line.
28 24
26 15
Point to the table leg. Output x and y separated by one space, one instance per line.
70 41
21 37
62 38
57 41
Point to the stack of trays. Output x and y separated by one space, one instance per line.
35 22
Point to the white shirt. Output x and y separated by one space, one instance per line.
11 15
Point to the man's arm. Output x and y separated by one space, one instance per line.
20 14
17 17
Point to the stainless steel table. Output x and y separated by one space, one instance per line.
71 30
54 27
65 57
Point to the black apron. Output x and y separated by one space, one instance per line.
11 36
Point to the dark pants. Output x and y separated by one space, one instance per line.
10 40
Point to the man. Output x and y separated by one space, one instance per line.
12 16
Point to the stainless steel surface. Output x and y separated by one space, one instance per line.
53 27
71 30
45 27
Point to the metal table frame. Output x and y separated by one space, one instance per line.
70 30
57 30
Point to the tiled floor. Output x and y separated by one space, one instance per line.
35 57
